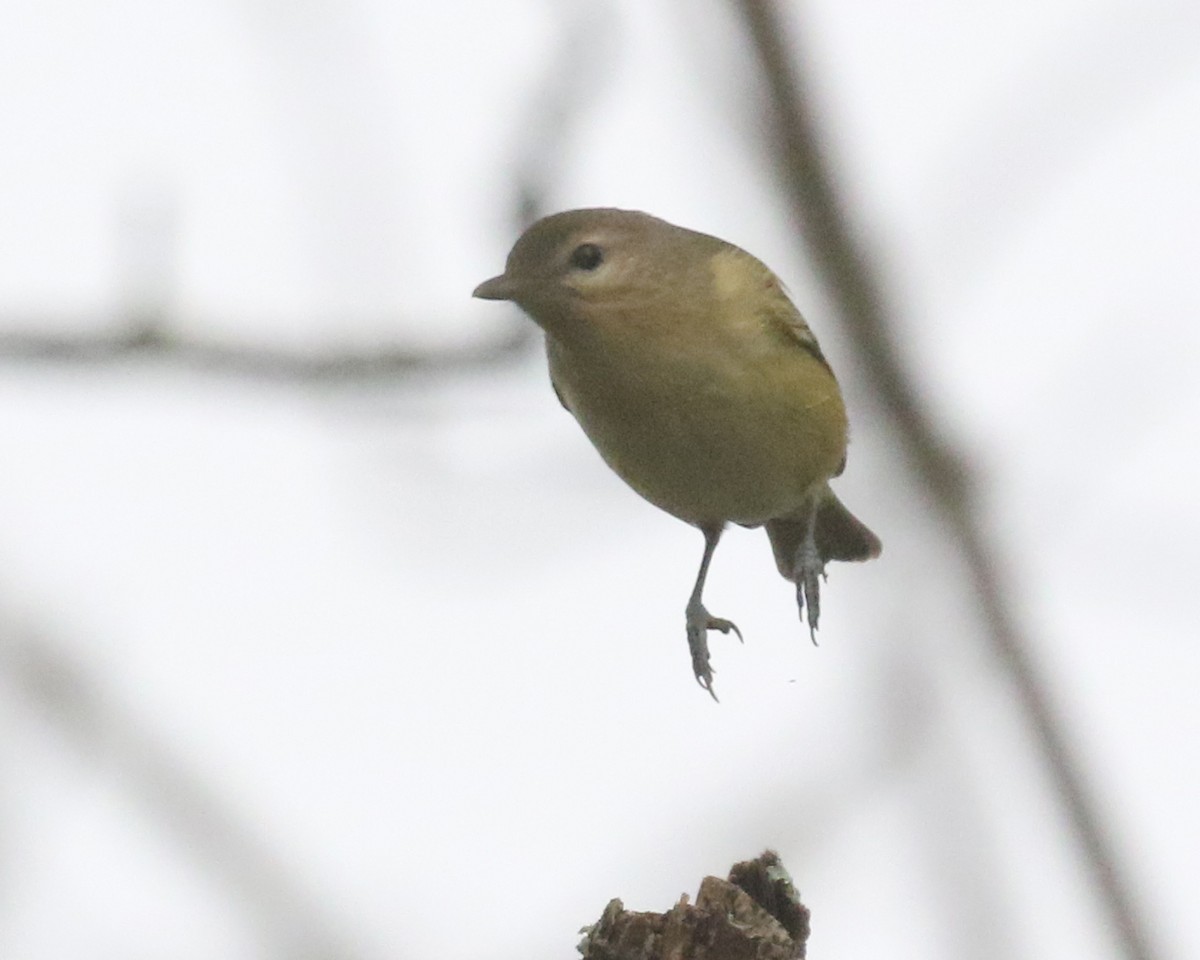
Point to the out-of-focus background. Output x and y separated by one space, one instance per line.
324 632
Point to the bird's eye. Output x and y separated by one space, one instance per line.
587 256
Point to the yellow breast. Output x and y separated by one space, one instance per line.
709 408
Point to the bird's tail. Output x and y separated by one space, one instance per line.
838 533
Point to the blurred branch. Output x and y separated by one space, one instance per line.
580 66
148 249
144 326
822 219
290 922
155 343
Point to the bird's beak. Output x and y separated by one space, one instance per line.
502 287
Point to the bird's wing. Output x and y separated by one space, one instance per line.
782 314
744 279
785 316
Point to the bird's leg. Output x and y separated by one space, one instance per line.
808 569
700 621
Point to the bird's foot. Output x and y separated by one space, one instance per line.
699 622
808 572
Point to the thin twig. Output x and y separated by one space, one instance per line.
822 219
328 365
580 68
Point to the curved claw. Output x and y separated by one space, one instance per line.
725 626
808 571
699 622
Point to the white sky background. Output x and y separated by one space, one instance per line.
419 644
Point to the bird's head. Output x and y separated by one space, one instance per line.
572 266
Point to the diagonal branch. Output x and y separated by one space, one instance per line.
822 219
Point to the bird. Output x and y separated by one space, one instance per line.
700 384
